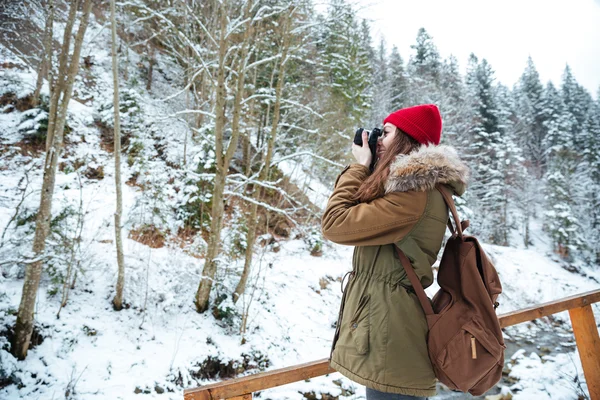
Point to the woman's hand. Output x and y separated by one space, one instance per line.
362 154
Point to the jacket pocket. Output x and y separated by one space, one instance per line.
359 325
470 356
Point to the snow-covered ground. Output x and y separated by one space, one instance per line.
160 345
103 354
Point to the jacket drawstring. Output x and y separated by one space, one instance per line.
344 293
339 320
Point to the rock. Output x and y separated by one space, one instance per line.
323 283
94 173
310 395
159 390
137 390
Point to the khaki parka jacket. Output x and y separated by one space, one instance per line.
380 339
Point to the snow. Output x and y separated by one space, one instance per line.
160 341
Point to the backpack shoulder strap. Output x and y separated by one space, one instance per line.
415 282
450 203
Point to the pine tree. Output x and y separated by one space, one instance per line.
347 62
486 152
452 104
530 115
382 88
424 71
576 100
560 219
426 63
398 81
589 203
343 85
520 186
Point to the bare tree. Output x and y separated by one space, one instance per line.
118 299
75 248
151 63
46 59
61 92
264 173
223 160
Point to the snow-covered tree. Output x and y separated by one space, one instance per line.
486 151
382 89
398 81
530 118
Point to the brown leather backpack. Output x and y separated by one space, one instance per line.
465 341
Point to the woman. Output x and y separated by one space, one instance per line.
380 340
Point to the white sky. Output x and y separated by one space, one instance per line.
553 32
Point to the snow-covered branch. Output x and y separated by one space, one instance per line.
307 153
261 204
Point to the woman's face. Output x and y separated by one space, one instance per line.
386 139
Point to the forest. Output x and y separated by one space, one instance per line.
175 147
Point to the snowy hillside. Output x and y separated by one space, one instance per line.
101 354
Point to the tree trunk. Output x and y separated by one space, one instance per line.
57 86
150 66
264 173
46 59
188 79
24 324
118 300
246 144
210 266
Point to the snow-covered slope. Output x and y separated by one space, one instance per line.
104 354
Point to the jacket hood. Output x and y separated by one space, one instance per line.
425 167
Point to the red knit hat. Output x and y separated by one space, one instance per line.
423 122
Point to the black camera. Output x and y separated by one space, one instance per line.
373 137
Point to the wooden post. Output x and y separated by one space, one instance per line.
588 345
244 397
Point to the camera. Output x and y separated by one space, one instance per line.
373 137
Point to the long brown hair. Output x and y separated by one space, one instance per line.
373 187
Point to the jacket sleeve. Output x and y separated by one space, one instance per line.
385 220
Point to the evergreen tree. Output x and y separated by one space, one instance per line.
590 184
486 152
341 93
452 104
576 100
426 63
347 62
381 87
560 219
520 186
530 126
424 71
398 81
556 117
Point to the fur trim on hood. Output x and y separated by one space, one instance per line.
425 167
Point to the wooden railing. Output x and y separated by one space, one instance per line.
582 319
